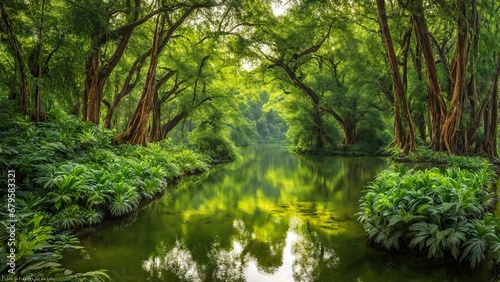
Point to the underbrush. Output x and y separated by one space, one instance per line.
69 176
434 213
357 149
423 154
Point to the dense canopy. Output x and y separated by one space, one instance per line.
325 74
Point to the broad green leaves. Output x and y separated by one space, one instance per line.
435 213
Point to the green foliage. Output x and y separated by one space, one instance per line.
438 213
218 148
39 248
269 125
425 155
213 137
69 176
80 178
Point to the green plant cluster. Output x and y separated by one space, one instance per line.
69 176
69 170
423 154
39 249
441 214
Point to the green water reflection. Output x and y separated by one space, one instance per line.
272 216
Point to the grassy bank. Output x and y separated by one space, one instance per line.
69 176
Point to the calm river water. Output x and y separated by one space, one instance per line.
271 216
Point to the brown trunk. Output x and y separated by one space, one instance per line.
15 45
155 132
128 86
37 105
137 127
349 129
449 140
420 121
96 76
488 145
405 141
474 112
166 128
437 106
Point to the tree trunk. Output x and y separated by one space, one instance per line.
128 86
315 98
96 76
349 129
37 105
449 140
15 45
474 112
405 141
419 114
172 123
437 106
138 125
488 145
155 132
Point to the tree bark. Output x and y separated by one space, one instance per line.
137 127
449 140
437 106
166 128
405 141
96 76
128 86
489 112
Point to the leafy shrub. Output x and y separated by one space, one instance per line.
217 148
423 154
69 174
39 249
440 214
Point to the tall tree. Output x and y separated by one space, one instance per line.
23 86
137 127
406 140
449 140
437 106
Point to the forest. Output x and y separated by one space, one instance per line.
104 103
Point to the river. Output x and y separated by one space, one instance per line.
271 216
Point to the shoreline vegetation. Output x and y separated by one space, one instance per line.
438 212
69 177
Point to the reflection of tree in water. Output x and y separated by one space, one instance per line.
266 241
310 255
178 261
228 264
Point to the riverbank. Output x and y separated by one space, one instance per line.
438 213
68 176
